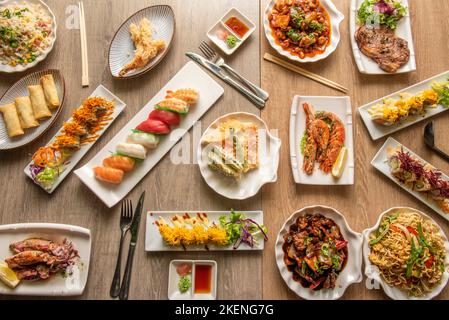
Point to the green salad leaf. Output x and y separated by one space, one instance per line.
381 12
442 89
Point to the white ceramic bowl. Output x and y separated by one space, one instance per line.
19 67
250 182
121 49
336 18
352 272
372 272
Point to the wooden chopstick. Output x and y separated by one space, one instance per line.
84 56
305 73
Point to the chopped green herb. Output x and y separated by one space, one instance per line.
231 41
184 284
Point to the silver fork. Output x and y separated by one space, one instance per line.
214 57
126 216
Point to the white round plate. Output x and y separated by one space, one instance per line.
352 272
250 182
20 89
372 272
121 49
336 18
19 67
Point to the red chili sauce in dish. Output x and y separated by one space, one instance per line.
203 278
237 26
301 27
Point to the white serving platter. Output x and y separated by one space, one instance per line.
173 279
336 18
56 285
190 76
212 33
352 272
380 163
102 92
250 182
372 272
340 106
404 30
154 241
121 49
20 89
378 131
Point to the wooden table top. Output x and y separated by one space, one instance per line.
241 275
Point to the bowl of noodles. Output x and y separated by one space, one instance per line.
406 252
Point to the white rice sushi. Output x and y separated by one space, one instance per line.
131 150
147 140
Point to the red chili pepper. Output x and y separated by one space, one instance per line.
340 244
412 230
317 283
430 261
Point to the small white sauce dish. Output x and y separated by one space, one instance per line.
173 279
221 27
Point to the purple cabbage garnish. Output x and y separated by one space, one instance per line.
35 170
383 7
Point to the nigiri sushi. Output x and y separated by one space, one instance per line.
132 150
123 163
110 175
188 95
147 140
173 105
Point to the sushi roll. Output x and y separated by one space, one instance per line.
132 150
123 163
110 175
422 185
147 140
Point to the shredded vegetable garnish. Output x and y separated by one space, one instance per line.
87 120
240 229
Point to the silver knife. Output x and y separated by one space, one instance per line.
134 229
212 67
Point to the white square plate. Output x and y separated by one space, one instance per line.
381 164
154 241
404 30
378 131
102 92
221 25
340 106
190 76
56 285
173 279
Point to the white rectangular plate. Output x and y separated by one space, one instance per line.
404 30
173 279
381 164
341 106
102 92
190 76
154 241
56 285
378 131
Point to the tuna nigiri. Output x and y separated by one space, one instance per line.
110 175
119 162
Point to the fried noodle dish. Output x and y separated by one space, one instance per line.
409 251
315 251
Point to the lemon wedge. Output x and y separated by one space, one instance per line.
8 276
340 163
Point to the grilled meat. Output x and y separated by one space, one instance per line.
383 46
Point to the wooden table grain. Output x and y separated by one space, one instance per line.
241 275
372 193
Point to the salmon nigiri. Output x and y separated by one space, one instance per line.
119 162
110 175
